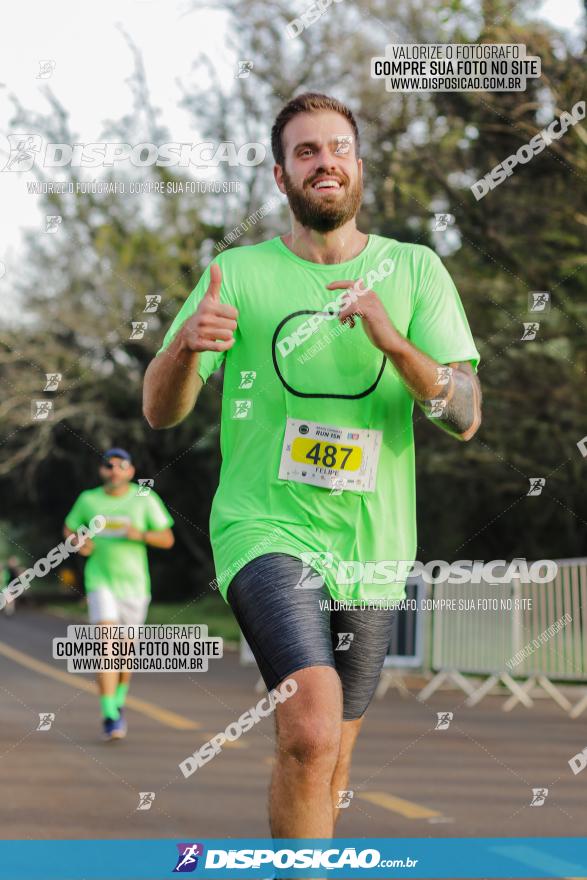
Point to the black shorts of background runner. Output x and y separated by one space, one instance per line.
287 629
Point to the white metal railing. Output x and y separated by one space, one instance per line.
533 631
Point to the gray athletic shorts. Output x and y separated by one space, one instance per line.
287 629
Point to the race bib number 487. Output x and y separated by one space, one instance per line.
329 456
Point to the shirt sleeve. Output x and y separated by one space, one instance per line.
158 517
77 516
439 326
209 361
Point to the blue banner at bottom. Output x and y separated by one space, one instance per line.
260 858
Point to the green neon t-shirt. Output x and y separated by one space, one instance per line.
116 563
331 377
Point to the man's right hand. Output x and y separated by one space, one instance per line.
172 381
212 326
86 547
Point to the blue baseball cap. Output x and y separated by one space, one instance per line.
117 452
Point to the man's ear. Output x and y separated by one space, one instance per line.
278 175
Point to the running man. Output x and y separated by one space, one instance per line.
328 335
116 574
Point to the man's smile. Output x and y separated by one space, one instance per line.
326 184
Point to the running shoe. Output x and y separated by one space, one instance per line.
114 729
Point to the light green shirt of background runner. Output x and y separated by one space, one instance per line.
116 563
254 512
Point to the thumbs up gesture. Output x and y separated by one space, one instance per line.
212 326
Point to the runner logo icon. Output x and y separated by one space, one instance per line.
187 860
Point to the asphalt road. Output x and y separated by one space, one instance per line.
474 779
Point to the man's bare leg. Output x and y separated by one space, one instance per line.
125 676
340 778
309 726
107 681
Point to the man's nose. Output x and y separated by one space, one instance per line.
325 157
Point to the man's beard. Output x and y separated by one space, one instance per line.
318 213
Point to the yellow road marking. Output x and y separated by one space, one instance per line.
164 716
398 805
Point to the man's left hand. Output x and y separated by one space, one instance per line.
366 305
135 534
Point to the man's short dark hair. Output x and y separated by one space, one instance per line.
308 102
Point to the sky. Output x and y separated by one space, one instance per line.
93 61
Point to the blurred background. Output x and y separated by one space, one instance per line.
71 294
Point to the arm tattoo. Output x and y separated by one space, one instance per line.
456 408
